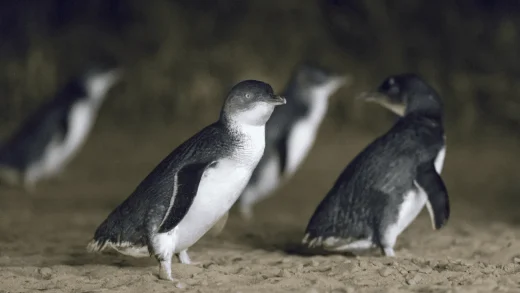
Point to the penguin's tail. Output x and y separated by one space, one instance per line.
109 236
96 245
126 248
106 235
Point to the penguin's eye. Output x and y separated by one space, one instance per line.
248 96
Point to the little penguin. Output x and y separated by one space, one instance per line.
195 185
291 131
49 138
385 187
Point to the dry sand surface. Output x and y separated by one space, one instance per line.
43 235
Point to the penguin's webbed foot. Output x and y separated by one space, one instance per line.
165 270
388 251
185 258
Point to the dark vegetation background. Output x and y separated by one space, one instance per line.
182 56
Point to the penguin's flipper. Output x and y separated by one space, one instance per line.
438 202
186 184
63 125
282 146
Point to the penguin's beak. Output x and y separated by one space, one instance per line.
276 100
383 100
371 97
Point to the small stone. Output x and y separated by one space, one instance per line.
425 270
457 268
286 260
413 279
180 285
516 260
389 262
46 273
385 272
284 274
489 269
315 263
204 283
510 268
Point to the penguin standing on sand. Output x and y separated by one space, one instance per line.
291 131
53 135
385 187
195 185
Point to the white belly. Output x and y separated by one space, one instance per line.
219 188
412 205
303 134
414 201
60 151
80 122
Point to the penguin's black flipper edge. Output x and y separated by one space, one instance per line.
438 202
282 145
186 182
63 125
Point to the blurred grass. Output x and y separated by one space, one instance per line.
182 56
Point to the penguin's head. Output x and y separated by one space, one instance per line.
250 102
323 82
405 93
99 79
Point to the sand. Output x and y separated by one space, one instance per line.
43 235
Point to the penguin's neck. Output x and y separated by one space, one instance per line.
240 128
429 119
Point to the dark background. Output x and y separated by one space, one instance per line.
182 56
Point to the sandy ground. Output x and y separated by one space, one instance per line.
43 235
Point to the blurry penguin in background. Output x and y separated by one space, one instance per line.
49 138
291 131
385 187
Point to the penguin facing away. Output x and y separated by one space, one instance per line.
291 131
385 187
195 185
56 131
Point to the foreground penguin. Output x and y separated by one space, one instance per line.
290 133
385 187
195 185
53 135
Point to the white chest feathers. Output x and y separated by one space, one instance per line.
62 150
303 133
220 187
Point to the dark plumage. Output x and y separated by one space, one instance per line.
291 131
146 207
26 153
379 193
194 185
